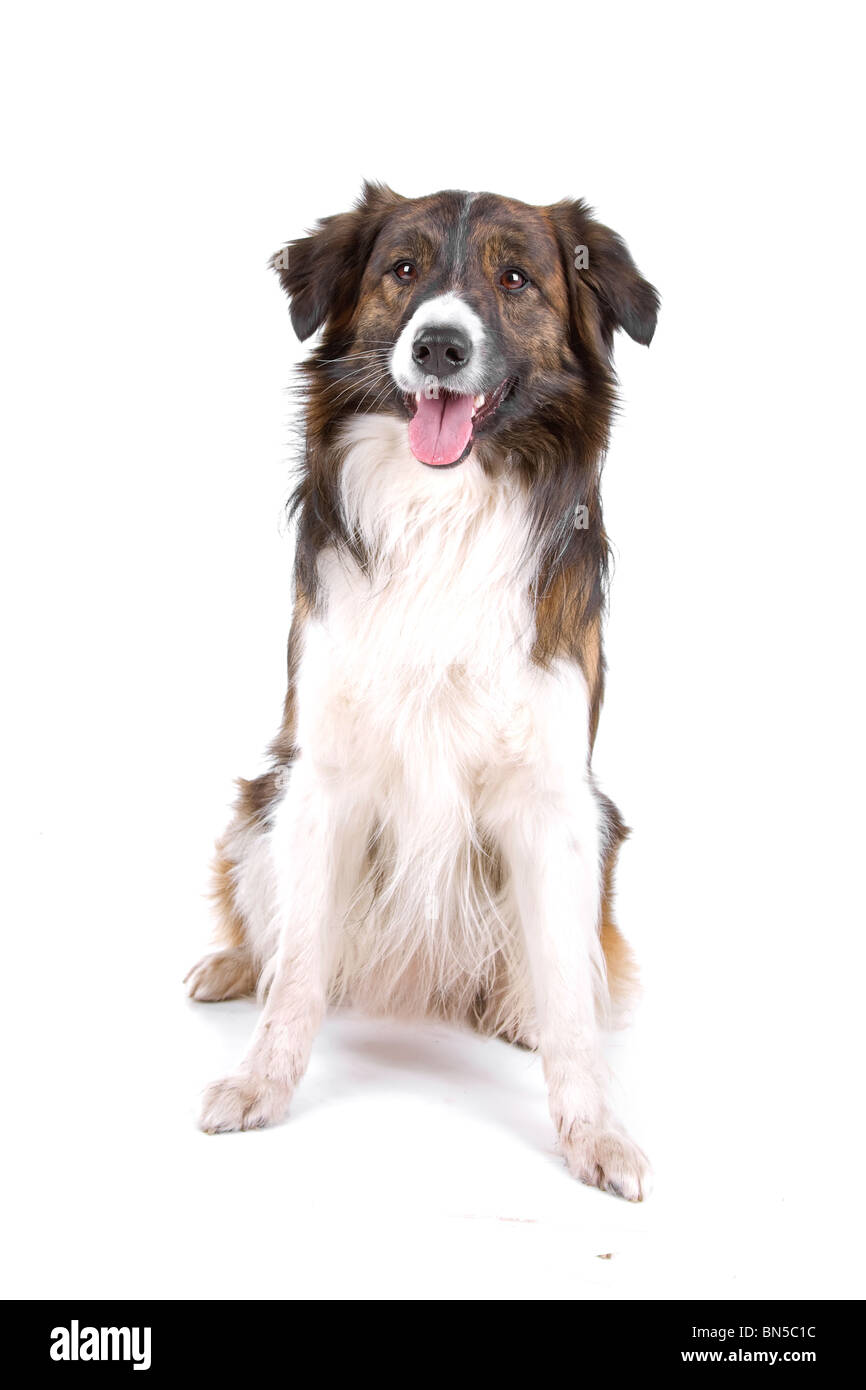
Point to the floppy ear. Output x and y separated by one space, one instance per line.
600 260
321 273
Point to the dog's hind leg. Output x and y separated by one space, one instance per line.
228 974
242 896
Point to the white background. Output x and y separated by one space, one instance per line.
155 156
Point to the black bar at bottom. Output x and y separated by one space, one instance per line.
153 1338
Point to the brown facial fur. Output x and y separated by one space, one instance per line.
555 337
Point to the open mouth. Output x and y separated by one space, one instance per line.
443 426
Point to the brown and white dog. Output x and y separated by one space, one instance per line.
429 838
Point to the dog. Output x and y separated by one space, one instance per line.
429 838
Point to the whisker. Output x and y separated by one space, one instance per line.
353 356
381 397
356 385
360 370
374 386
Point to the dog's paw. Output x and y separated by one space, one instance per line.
244 1100
224 975
608 1159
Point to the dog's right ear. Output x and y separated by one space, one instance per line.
321 273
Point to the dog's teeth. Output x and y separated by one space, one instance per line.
417 397
478 402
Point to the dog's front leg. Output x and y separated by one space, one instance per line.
313 858
551 846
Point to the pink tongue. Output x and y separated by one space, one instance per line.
441 429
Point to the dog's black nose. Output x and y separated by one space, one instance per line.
441 351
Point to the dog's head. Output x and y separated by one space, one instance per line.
476 318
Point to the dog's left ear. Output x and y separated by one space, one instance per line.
599 260
321 273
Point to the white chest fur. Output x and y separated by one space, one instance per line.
425 661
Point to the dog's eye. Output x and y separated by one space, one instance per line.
406 272
513 279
